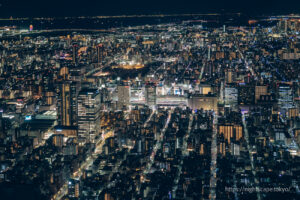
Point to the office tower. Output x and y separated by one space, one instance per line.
108 196
73 188
227 132
76 73
150 94
49 98
67 104
64 73
259 91
75 88
293 113
2 127
71 147
235 149
202 149
75 53
66 101
231 96
58 140
100 53
285 98
205 89
205 102
230 76
123 96
230 131
283 25
48 89
208 54
88 114
222 148
297 134
105 98
69 40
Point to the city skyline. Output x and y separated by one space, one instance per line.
149 106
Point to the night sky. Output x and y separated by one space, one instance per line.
35 8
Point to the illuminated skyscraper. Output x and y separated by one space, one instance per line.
260 90
108 196
230 131
293 113
285 98
100 55
123 96
69 40
150 94
67 100
75 54
57 140
205 102
231 96
73 188
208 54
88 114
230 76
67 104
205 89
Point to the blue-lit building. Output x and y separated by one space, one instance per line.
285 98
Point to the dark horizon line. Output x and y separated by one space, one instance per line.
154 14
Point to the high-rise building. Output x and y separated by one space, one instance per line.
205 102
205 89
231 96
230 76
64 73
67 107
88 114
67 101
230 131
222 148
58 140
208 53
75 54
235 149
108 196
71 147
259 91
49 98
73 188
150 94
123 96
48 95
69 40
293 113
285 98
100 53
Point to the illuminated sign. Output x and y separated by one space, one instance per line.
28 117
